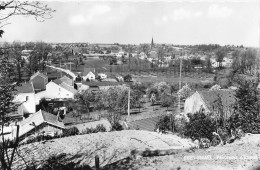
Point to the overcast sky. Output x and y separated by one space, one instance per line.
135 22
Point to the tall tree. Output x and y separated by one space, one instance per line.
220 54
8 9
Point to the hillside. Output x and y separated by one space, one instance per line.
109 146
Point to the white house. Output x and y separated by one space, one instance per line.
102 76
26 97
59 90
89 74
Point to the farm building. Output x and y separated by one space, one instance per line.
41 122
211 102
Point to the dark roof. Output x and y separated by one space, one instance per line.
39 74
210 98
25 88
87 70
57 81
52 119
67 80
103 83
68 87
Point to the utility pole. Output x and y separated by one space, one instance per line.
128 110
179 102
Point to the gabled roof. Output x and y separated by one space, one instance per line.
103 83
38 74
68 87
210 98
25 88
67 80
57 81
87 70
37 119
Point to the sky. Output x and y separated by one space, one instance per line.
135 22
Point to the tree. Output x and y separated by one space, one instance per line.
208 65
167 100
7 89
247 107
145 48
25 8
161 54
220 54
128 78
7 93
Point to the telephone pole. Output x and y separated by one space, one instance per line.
179 102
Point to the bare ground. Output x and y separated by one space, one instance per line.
240 155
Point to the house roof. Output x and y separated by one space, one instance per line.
210 98
87 70
67 80
37 119
68 87
38 74
25 88
57 81
103 83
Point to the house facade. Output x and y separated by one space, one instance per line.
89 74
26 98
59 90
210 102
102 76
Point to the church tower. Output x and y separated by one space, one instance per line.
152 44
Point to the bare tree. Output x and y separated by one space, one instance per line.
7 86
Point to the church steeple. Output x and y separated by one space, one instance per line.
152 44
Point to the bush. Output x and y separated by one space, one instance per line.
117 127
199 126
99 128
164 124
71 131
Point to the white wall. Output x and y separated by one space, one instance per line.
89 76
29 106
193 104
54 91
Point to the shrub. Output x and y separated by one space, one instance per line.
164 124
71 131
199 126
101 128
117 127
98 128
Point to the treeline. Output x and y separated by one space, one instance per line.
25 64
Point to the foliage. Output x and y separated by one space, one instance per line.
164 124
244 60
247 106
215 87
199 126
184 92
220 54
70 131
167 100
7 89
117 127
98 128
128 78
